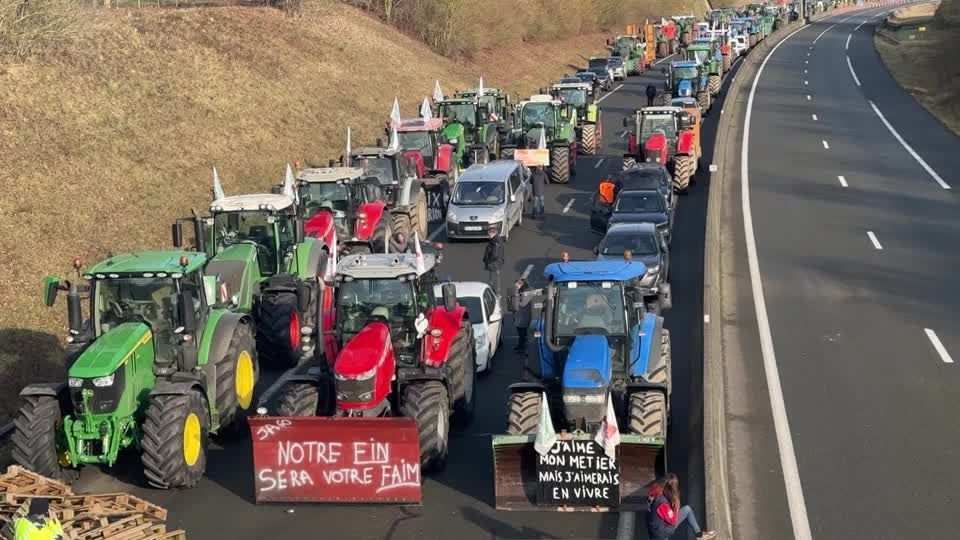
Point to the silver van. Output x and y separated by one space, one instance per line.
488 195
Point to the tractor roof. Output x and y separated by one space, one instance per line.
541 98
375 151
419 124
486 92
574 85
255 201
383 265
146 262
660 110
329 174
457 100
594 271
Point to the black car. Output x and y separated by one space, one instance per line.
647 245
647 176
605 76
590 77
635 206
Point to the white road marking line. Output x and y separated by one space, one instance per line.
808 97
599 163
567 207
434 234
847 46
609 93
806 83
825 145
843 181
788 457
624 134
822 33
903 143
804 71
849 65
814 117
874 241
941 350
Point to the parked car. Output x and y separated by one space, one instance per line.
647 245
488 195
605 76
486 317
590 77
617 68
635 206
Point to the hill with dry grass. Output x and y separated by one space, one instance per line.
109 136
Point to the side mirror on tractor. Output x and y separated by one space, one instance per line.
51 284
298 231
187 316
449 292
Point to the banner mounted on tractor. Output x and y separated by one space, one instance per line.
538 157
351 460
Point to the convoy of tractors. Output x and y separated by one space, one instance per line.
165 348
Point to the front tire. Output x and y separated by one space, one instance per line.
429 405
276 317
559 164
36 427
523 416
299 399
714 85
703 101
463 373
237 374
175 435
590 142
683 172
506 153
629 163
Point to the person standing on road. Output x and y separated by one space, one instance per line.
651 94
539 186
493 258
665 513
523 312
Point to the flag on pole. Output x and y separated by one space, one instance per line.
421 265
609 435
425 112
394 138
546 436
480 89
348 144
395 113
217 187
288 182
542 144
437 93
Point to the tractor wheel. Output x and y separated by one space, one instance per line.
524 414
714 85
589 141
662 49
429 405
685 38
174 444
278 329
683 172
400 223
36 427
674 46
726 63
629 163
419 220
753 40
299 399
648 414
703 101
665 98
237 374
463 373
559 164
506 153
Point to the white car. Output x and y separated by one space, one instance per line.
486 315
740 45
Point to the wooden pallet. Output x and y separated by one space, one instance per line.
23 482
136 527
109 504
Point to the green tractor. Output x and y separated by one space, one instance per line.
545 123
632 51
589 129
706 53
473 126
684 28
268 268
163 362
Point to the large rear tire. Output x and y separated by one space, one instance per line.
629 163
726 63
400 223
703 101
36 426
682 173
237 374
648 414
559 164
463 374
714 85
429 405
666 98
589 140
420 221
662 49
175 435
275 321
524 414
507 153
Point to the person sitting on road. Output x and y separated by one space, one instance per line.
665 513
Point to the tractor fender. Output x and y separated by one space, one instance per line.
593 114
375 213
321 226
685 143
436 350
640 386
310 259
632 150
531 386
645 353
176 387
44 389
313 375
214 345
409 193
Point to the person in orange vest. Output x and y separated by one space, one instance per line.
607 191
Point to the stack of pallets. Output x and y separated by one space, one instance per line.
117 516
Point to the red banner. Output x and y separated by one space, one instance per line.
353 460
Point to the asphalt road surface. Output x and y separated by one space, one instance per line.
856 237
459 502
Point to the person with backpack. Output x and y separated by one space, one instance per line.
665 514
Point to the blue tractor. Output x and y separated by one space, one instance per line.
600 353
686 78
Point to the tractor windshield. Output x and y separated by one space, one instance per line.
464 113
150 300
684 73
701 56
259 227
361 300
381 168
639 202
318 194
589 308
419 141
478 193
535 114
652 123
639 244
574 96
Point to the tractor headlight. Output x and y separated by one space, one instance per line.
366 375
366 396
101 382
75 382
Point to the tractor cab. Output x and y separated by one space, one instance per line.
470 125
400 174
665 121
496 101
266 221
543 113
340 199
684 79
580 96
423 140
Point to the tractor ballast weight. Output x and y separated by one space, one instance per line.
676 126
163 363
609 363
551 122
589 128
399 173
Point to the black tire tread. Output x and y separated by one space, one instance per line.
273 329
559 165
648 414
590 144
683 173
298 399
35 436
227 404
523 416
423 402
162 442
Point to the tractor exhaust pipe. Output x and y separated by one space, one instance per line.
74 311
199 239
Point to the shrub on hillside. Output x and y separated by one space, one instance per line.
27 25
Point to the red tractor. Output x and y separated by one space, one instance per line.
434 158
664 135
399 175
401 354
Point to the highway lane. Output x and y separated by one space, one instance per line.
459 501
854 241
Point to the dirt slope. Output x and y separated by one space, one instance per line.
108 141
